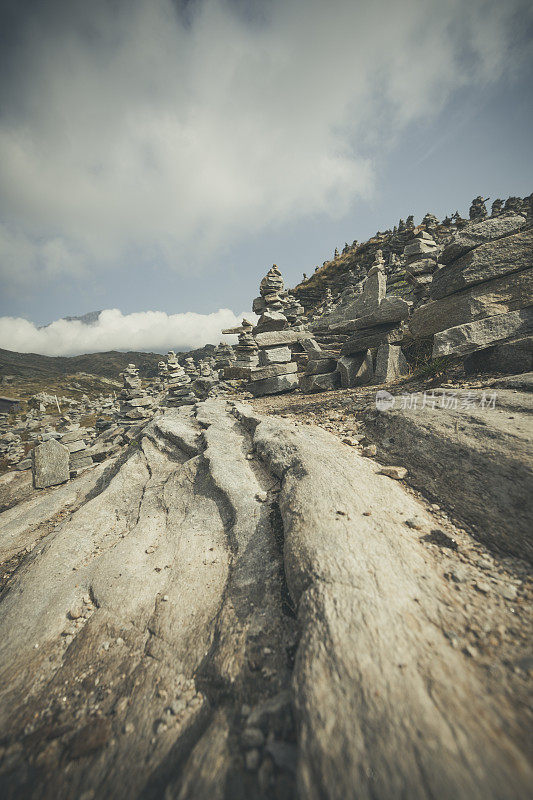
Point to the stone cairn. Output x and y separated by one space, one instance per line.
421 255
478 209
223 357
207 379
135 404
179 383
278 329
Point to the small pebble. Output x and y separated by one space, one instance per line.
261 496
397 473
483 587
164 598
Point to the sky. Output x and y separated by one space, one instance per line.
157 156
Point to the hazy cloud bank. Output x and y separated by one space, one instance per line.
131 127
152 331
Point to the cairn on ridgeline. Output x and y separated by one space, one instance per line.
179 383
135 403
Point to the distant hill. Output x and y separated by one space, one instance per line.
106 365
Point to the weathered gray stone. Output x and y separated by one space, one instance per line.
465 339
391 309
310 345
274 355
370 338
474 235
355 370
275 385
511 358
271 321
259 373
422 267
50 464
320 383
419 247
318 366
488 261
390 364
499 296
74 447
277 338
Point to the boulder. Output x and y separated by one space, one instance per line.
320 383
481 233
390 364
355 370
275 385
510 357
499 296
274 355
319 366
488 261
271 321
465 339
50 464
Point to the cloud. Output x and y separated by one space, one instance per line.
151 331
132 127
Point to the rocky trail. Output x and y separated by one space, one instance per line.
241 606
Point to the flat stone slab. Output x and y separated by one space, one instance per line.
274 355
318 366
370 338
465 339
277 338
487 299
258 373
480 233
488 261
50 464
391 309
275 385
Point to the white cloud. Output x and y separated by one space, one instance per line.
125 130
151 331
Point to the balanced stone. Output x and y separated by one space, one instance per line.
50 464
274 355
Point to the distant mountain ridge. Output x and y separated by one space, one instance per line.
106 365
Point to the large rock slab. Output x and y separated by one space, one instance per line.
274 355
499 296
378 688
258 373
323 382
391 309
390 364
50 464
471 451
278 338
274 385
511 358
355 370
319 366
464 339
480 233
370 338
488 261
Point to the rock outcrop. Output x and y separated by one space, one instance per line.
223 614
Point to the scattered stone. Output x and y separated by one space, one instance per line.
398 473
